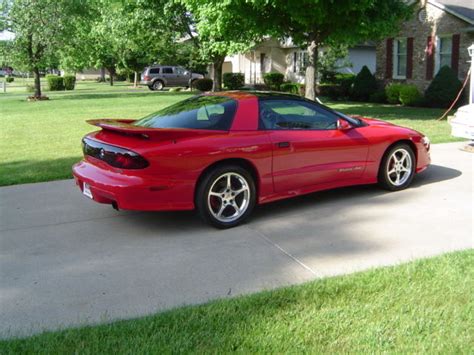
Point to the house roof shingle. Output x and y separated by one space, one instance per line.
463 9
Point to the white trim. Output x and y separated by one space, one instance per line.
450 11
395 58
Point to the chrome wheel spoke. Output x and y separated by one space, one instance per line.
399 167
228 197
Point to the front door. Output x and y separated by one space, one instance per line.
308 147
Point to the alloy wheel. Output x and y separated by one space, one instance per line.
229 197
399 167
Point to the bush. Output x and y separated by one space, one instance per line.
293 88
9 79
55 83
273 80
443 89
378 97
365 85
410 95
233 81
346 82
203 84
333 91
69 82
392 91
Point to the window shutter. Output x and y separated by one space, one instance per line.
455 53
389 59
429 57
409 58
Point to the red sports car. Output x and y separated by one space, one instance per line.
223 153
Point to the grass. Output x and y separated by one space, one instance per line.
424 306
39 141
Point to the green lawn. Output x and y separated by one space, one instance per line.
426 306
39 141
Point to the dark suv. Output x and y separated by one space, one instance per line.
156 77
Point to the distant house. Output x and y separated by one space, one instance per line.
284 57
438 34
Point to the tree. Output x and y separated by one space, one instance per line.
40 29
223 28
316 23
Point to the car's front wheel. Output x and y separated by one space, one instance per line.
397 168
226 196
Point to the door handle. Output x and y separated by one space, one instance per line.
283 144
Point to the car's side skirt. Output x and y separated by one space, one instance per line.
314 188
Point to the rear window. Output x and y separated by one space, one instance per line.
155 71
198 112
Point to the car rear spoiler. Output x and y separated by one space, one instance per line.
124 126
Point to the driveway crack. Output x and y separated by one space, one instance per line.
287 253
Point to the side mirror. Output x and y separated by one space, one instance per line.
343 125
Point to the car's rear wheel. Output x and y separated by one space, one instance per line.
151 87
158 85
226 196
397 168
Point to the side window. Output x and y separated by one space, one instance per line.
179 71
168 70
155 71
288 114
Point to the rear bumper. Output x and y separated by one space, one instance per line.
133 192
146 82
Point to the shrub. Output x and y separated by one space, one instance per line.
443 89
55 83
203 84
378 97
233 81
392 91
346 83
273 80
333 91
69 82
365 85
293 88
410 95
9 79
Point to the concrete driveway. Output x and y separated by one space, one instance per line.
65 260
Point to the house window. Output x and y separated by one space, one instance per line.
262 62
300 61
444 46
400 58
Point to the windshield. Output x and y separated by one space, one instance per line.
198 112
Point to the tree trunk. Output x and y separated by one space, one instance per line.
311 70
102 75
111 71
37 82
217 73
135 79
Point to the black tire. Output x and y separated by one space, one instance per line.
193 82
158 85
385 179
151 87
211 179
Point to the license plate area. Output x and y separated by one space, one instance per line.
86 190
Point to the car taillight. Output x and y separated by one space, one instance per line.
146 78
114 156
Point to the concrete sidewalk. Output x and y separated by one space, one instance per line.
66 261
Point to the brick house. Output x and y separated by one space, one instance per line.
438 34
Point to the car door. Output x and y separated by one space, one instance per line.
182 76
169 75
308 147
